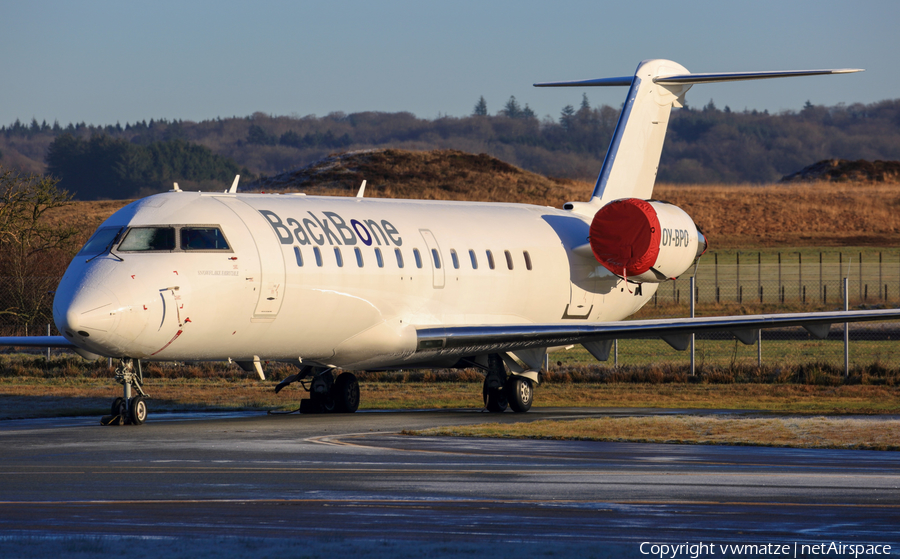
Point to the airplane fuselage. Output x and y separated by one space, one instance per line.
327 280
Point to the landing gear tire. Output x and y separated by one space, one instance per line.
494 398
117 407
137 410
346 393
519 393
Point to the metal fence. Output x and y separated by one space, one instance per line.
805 277
743 282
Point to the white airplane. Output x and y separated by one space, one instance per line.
359 283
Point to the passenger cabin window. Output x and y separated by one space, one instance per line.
490 257
527 260
101 240
399 256
338 257
418 258
298 255
474 259
202 238
359 258
148 239
437 258
454 258
509 262
318 255
378 258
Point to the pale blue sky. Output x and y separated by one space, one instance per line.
106 61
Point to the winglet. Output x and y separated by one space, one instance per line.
233 189
362 189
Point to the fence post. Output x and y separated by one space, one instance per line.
860 276
616 353
846 328
821 285
48 347
780 287
693 361
737 281
800 277
716 254
759 349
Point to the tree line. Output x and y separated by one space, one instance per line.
703 145
107 167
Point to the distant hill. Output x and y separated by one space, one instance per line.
433 175
841 170
732 216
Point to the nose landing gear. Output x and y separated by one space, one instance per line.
128 409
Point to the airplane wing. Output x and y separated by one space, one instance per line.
37 341
449 341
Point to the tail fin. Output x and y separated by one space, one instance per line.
631 163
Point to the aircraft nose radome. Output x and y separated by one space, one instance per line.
91 311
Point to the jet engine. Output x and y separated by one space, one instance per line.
645 240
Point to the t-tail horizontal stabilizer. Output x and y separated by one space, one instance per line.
632 160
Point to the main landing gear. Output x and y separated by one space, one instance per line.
501 391
326 394
128 409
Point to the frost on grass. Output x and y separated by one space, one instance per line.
798 432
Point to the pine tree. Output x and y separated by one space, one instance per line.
480 107
566 115
585 106
512 109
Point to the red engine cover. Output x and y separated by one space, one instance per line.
625 236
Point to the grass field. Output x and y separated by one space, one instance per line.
31 387
797 432
728 353
66 386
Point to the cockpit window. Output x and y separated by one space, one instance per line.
202 238
148 238
100 240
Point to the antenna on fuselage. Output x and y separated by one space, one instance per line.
175 187
362 189
233 189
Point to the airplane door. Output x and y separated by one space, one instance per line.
434 256
271 282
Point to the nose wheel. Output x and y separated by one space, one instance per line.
128 409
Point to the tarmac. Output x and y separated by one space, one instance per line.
187 485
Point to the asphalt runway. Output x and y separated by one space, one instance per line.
334 484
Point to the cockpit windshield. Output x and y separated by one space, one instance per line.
148 239
202 238
100 241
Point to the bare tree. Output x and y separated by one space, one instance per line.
34 250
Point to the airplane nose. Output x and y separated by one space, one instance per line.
91 313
